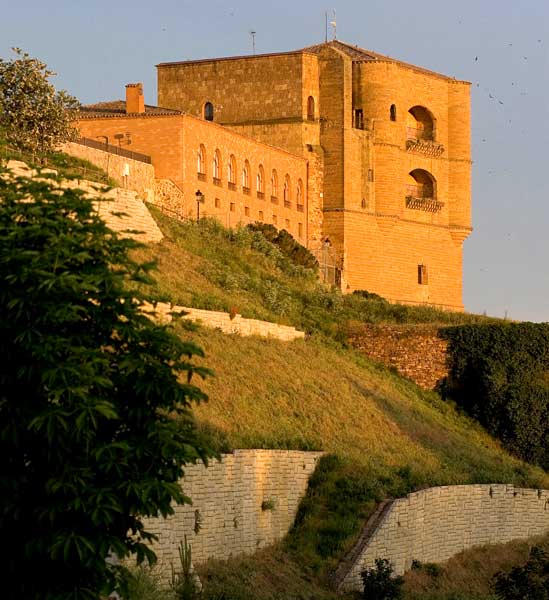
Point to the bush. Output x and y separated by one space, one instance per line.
500 375
530 581
90 388
288 245
380 583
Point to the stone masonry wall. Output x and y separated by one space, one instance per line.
140 179
237 325
415 351
242 503
433 525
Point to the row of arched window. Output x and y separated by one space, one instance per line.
246 177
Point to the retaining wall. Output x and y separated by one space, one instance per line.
226 517
141 175
433 525
237 325
415 351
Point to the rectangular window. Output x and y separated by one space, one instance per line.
287 224
261 215
232 207
422 276
300 230
247 211
359 119
217 203
275 219
370 174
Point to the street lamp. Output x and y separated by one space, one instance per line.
199 200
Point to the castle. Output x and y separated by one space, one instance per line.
361 157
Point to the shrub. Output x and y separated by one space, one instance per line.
380 583
500 375
530 581
288 245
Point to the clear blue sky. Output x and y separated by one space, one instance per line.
501 46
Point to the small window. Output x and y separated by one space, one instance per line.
299 193
287 197
201 161
300 230
231 170
259 179
310 109
370 174
231 207
261 215
246 175
275 219
364 203
209 111
274 184
422 276
217 203
247 211
359 119
287 224
393 112
217 165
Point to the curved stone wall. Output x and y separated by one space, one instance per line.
433 525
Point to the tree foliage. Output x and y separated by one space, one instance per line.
530 581
95 399
380 582
500 375
35 116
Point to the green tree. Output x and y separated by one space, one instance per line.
380 582
35 116
95 398
530 581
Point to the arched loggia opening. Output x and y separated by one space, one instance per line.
420 124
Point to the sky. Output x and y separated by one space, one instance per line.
501 46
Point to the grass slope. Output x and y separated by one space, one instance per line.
383 434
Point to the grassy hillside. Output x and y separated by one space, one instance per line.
384 436
207 266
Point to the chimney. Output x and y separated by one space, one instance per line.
135 101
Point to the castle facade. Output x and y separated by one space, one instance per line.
358 155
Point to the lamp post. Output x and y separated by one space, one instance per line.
199 200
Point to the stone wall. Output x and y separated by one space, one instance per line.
415 351
242 503
433 525
141 175
236 325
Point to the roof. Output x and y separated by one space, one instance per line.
358 54
117 108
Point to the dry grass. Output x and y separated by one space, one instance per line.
469 575
309 395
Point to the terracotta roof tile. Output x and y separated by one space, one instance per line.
117 108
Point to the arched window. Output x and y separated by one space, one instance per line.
393 112
287 194
420 124
274 184
231 170
310 108
217 165
246 175
260 180
209 111
421 185
201 160
299 194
